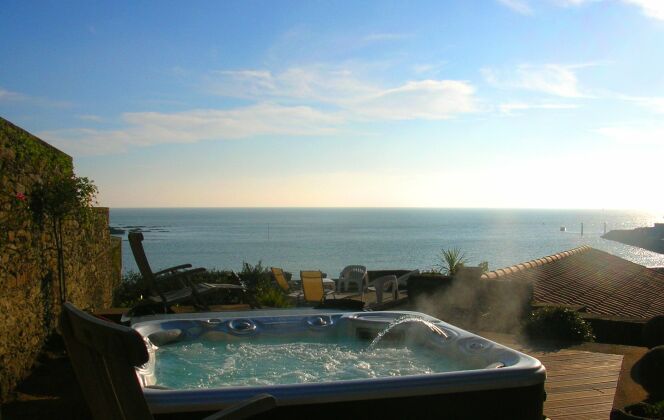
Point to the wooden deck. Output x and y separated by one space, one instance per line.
579 384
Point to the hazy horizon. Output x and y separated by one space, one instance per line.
652 211
548 104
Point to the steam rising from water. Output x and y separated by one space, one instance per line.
479 305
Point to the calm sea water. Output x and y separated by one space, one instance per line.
329 239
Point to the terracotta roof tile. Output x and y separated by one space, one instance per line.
603 283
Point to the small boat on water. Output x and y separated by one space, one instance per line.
563 229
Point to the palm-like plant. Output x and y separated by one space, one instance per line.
451 261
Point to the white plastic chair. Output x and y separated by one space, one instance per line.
381 283
402 281
353 274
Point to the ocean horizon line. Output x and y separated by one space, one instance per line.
379 208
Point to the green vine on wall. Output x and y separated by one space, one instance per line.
31 152
55 200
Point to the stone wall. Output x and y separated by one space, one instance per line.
29 298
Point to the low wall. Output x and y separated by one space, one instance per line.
29 299
615 330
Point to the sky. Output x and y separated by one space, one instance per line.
488 103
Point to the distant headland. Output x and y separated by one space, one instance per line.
650 238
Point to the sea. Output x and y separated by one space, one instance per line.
328 239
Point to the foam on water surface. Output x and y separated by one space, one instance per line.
209 364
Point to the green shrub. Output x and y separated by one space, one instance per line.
133 288
558 324
647 410
256 278
484 265
260 286
273 297
130 290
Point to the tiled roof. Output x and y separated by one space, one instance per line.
603 283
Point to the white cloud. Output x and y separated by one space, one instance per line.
90 117
553 79
568 3
16 97
519 6
243 83
313 83
632 135
299 101
377 37
426 99
150 128
654 104
651 8
6 95
423 68
345 90
513 108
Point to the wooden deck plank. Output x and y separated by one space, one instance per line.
580 402
602 410
555 375
570 367
583 377
560 396
608 386
575 354
580 385
589 383
577 358
572 364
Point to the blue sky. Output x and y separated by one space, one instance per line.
494 103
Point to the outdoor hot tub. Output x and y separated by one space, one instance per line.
327 364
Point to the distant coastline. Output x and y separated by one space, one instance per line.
650 238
